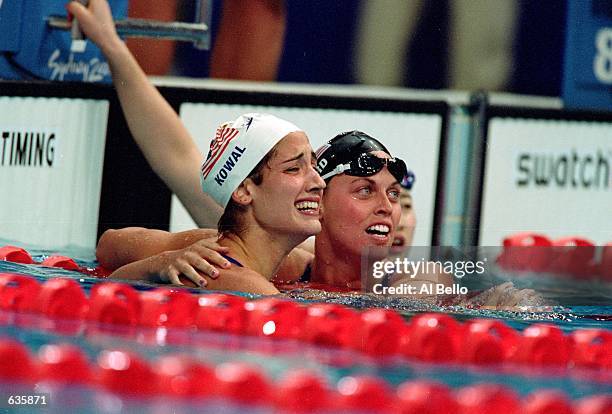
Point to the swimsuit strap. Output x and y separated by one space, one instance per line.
232 260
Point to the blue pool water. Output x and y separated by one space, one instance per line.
592 309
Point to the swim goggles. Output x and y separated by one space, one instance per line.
368 164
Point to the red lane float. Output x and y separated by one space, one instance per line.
124 372
15 254
62 298
364 393
167 307
114 303
526 251
274 317
592 348
180 376
543 344
547 402
573 256
64 363
18 292
17 364
488 341
183 376
241 382
221 313
487 399
62 262
377 332
302 391
432 337
567 255
605 266
425 397
595 404
19 255
330 324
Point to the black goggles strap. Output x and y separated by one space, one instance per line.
368 164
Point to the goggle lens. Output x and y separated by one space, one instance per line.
369 164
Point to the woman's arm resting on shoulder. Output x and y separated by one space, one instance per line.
155 126
117 248
166 267
183 267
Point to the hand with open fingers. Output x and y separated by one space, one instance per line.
191 264
96 21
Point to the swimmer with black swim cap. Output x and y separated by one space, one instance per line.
361 206
351 153
354 153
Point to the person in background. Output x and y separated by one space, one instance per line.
155 56
405 229
248 43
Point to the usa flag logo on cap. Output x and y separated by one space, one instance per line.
223 136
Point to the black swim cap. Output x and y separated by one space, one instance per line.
344 148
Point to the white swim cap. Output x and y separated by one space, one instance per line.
236 149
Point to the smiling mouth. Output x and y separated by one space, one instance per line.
308 207
379 230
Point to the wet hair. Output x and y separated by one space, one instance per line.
231 220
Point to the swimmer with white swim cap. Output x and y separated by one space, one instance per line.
261 169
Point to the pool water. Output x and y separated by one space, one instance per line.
580 305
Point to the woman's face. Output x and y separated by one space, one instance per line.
407 224
361 212
288 198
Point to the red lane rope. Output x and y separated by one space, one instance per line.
183 377
429 337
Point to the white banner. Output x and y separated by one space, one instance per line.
548 176
412 137
51 155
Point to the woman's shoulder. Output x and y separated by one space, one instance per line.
242 279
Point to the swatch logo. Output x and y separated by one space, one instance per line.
565 170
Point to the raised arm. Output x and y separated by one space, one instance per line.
155 126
